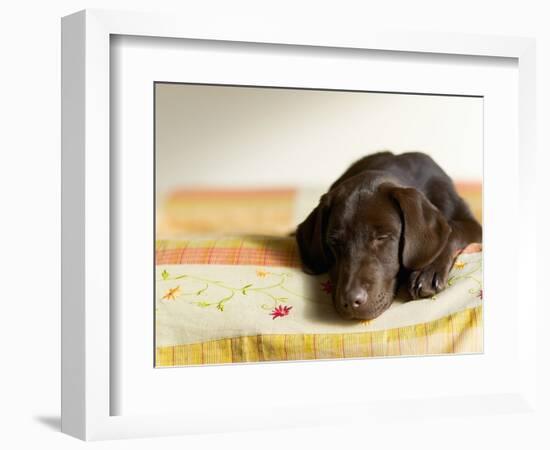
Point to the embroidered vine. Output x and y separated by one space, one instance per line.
457 274
273 304
467 275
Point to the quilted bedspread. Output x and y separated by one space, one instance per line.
244 299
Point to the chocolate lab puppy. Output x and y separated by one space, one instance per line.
388 221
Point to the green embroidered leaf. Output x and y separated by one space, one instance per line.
282 299
164 274
220 306
243 289
203 304
199 292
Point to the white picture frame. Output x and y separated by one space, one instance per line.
87 325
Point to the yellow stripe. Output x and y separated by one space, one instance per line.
357 345
461 332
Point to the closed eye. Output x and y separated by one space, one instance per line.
335 241
382 237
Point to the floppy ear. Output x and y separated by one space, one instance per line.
425 232
311 238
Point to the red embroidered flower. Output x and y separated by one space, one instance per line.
327 287
480 294
280 311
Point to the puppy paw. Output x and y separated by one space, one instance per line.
430 280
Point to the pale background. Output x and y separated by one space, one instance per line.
30 186
260 137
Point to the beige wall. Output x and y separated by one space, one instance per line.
249 137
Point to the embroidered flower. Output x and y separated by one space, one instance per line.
480 294
327 287
172 293
460 264
261 273
280 311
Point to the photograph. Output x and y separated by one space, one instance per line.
297 224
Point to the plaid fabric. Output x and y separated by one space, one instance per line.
461 332
243 250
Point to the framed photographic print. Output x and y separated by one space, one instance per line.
249 212
229 283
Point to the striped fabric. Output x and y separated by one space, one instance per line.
241 250
461 332
268 211
472 192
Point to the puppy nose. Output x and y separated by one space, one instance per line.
358 298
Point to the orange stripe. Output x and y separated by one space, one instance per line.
399 342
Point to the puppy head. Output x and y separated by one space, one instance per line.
363 234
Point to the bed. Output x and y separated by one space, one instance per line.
227 297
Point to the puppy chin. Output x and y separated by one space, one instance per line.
362 314
345 314
368 315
